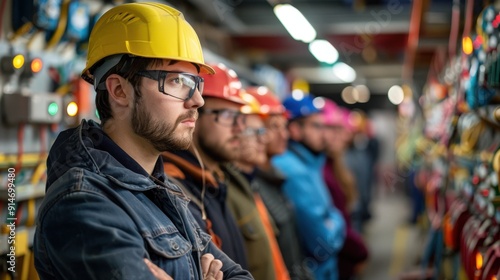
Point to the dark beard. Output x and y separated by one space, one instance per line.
214 153
160 134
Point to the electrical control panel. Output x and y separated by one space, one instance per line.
32 108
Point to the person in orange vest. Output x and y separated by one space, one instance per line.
268 181
244 197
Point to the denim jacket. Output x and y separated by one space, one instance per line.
99 219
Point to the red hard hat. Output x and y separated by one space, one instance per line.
269 102
223 84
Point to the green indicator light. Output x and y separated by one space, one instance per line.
53 108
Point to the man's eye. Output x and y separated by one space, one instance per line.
226 114
174 80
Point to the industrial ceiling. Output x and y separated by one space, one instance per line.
373 37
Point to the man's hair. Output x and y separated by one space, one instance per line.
127 68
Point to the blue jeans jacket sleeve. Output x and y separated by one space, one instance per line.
230 269
101 246
104 243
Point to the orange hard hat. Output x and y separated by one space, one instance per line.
252 105
268 101
224 84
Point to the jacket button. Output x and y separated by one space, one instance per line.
175 246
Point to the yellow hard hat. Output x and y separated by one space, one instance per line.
150 30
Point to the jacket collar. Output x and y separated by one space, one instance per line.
271 175
182 164
89 148
306 155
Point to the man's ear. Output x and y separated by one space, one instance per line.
117 89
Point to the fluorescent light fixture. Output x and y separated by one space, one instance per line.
324 51
344 72
295 23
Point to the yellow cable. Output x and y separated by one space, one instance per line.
64 89
4 229
470 137
30 220
496 161
29 159
61 25
39 172
25 28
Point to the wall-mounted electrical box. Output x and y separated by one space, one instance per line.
32 108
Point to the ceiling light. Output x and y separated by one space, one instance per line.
396 95
347 95
363 93
295 23
344 72
324 51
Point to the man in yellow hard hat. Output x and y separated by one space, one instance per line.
109 211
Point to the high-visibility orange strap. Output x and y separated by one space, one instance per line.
215 238
279 265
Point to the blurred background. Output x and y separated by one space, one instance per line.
418 76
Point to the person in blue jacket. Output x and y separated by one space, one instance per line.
320 224
109 211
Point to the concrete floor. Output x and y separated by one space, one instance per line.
395 246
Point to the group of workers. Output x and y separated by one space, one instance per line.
189 175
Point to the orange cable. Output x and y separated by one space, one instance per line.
469 9
2 10
413 34
455 20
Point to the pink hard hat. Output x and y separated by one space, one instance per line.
335 115
332 113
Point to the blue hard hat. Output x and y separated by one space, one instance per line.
298 108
